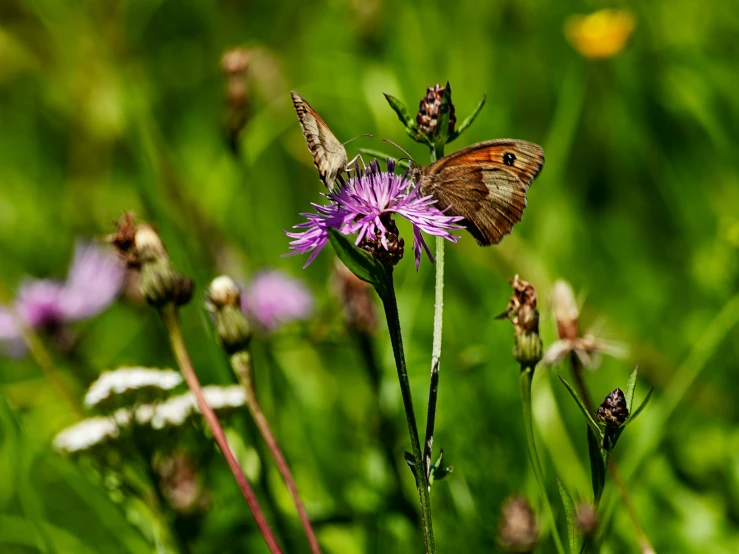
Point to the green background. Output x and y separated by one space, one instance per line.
119 105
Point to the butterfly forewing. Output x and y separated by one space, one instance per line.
485 183
329 155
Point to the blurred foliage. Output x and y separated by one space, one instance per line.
120 105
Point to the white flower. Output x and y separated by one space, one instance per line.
86 434
130 379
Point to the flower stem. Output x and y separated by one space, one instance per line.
390 305
644 545
428 442
527 376
242 365
171 321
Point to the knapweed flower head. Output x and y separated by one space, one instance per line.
365 205
586 346
523 314
130 385
93 282
601 34
273 299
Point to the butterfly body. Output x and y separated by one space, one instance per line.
329 155
485 183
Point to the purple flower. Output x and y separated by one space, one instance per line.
94 280
359 207
273 299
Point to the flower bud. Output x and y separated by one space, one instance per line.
429 112
223 300
613 411
518 529
522 312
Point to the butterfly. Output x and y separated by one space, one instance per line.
485 183
329 155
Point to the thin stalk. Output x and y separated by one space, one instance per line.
527 376
390 304
168 314
644 545
242 365
436 344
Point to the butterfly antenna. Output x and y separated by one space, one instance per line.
355 138
399 148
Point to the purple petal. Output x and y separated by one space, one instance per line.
273 299
95 279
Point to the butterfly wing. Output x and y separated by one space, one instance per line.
485 183
329 155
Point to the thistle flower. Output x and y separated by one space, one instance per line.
273 299
93 282
586 347
129 385
601 34
518 529
365 206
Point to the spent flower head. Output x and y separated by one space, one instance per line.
524 316
94 280
365 205
587 346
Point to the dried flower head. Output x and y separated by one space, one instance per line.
142 247
130 385
359 310
613 411
222 292
587 347
587 518
235 61
429 111
518 529
365 206
180 482
94 280
273 299
522 312
601 34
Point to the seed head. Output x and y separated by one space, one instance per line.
613 411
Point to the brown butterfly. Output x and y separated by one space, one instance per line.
485 183
329 155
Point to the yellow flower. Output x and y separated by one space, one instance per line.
601 34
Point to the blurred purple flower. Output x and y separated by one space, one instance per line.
94 280
273 299
359 205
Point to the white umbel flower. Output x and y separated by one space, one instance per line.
136 381
86 434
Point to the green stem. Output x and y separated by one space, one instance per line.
168 314
527 376
436 344
242 365
390 305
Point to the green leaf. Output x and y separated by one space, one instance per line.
467 122
640 408
402 112
630 388
359 262
573 532
591 422
441 133
597 466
